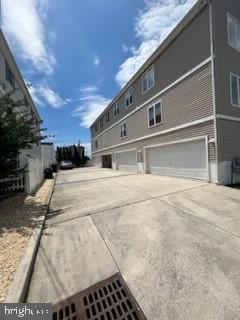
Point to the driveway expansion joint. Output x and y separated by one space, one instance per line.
202 220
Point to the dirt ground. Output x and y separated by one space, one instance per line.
18 216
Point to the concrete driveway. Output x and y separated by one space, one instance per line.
175 241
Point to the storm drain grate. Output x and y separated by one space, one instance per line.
107 300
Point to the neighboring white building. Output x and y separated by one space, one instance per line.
48 152
12 81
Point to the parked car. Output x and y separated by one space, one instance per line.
66 164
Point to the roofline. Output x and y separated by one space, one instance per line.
19 74
190 15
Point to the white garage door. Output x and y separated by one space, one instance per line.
126 161
188 159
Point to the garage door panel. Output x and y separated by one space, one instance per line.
187 159
127 161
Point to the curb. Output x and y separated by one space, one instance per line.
17 292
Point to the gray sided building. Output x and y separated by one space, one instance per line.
179 115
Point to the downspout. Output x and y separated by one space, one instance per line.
213 58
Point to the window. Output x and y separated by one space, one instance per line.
233 32
96 144
107 116
10 76
96 127
129 97
148 79
116 110
155 114
101 122
123 130
235 90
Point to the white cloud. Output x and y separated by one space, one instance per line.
24 26
96 61
88 88
90 106
43 94
151 27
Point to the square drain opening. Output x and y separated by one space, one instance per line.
107 300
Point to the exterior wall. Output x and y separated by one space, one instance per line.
34 174
229 142
204 129
186 51
185 87
226 62
188 101
48 152
227 58
18 94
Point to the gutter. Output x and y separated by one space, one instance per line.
213 56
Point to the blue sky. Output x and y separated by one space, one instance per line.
77 54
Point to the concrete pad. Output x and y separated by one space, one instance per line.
217 205
154 185
80 174
177 266
80 199
71 258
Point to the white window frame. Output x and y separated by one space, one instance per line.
107 116
238 85
146 73
129 94
115 108
154 114
236 22
122 130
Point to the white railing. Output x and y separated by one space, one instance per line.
16 184
31 178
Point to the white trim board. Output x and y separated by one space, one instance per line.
126 150
223 117
186 75
176 142
183 126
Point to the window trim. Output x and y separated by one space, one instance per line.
121 124
146 72
231 96
229 15
154 114
125 96
116 106
107 116
101 123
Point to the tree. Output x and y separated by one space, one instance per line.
18 130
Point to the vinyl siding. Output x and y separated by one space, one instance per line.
189 49
227 58
188 101
195 131
228 139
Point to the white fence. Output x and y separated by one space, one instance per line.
31 178
16 183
